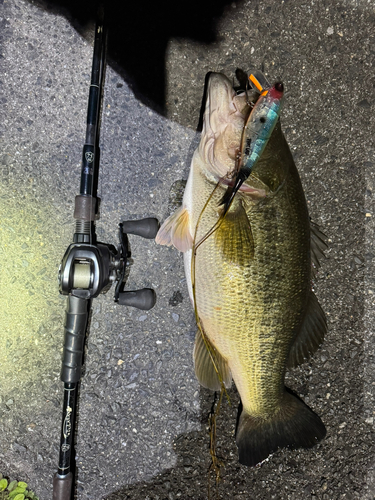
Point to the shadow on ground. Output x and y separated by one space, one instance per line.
139 33
191 478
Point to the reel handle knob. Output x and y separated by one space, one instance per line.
144 299
147 228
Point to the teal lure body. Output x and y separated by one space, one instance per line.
256 133
260 125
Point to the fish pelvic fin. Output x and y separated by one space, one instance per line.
175 231
204 368
235 238
295 425
311 334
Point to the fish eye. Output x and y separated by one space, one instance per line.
262 119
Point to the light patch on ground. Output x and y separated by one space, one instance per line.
31 310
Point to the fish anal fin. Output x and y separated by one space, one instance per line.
204 368
175 231
235 238
295 425
311 334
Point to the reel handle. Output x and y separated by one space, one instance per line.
144 299
147 228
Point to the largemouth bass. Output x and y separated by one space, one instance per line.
252 288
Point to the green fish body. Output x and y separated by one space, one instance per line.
252 279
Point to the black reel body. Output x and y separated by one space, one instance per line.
90 269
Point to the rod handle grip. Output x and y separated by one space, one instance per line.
147 228
62 487
76 316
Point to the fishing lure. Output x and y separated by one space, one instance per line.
255 135
256 132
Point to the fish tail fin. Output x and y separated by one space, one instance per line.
295 425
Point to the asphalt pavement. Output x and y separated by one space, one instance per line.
143 418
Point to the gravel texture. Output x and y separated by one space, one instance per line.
142 426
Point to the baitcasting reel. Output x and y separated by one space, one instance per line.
89 269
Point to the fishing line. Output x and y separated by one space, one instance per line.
212 421
216 464
214 228
238 166
94 115
197 319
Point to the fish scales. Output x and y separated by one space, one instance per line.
246 309
251 277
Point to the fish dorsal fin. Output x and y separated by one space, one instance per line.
318 244
235 238
311 334
175 231
204 368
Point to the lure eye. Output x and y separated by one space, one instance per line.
279 87
262 119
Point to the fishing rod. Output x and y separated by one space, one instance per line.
89 268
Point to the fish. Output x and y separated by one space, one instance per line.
250 280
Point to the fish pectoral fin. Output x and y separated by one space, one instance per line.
294 425
311 334
235 238
204 367
175 231
318 245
